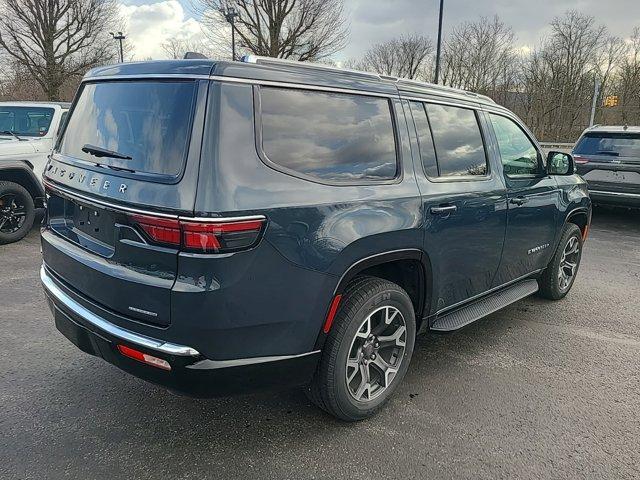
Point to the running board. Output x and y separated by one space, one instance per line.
448 322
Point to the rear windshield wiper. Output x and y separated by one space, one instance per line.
608 152
9 132
103 152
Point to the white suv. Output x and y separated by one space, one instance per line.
28 131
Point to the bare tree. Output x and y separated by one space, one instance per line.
404 57
176 48
295 29
56 39
558 77
479 56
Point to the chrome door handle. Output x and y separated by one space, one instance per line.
518 201
443 210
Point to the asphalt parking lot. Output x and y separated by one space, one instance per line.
538 390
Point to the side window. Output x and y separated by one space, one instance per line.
519 155
329 136
425 140
458 141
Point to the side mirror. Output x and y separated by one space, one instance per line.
560 163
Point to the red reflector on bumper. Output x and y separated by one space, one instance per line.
143 357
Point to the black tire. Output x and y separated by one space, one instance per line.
551 284
365 298
9 231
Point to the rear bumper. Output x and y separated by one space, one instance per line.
615 198
191 373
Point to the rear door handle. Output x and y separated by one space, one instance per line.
443 210
518 201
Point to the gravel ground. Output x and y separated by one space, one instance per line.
538 390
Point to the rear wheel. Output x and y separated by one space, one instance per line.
558 277
367 351
17 212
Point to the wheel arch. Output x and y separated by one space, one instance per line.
409 268
580 216
21 174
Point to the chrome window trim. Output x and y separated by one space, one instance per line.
247 81
167 76
303 86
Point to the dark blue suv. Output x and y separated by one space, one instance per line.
218 227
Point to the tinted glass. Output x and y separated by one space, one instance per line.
612 144
425 140
518 154
25 121
330 136
147 121
458 141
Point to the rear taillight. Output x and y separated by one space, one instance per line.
203 236
580 159
160 230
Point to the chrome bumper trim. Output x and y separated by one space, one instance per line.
615 194
110 328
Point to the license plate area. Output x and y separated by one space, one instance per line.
613 176
97 224
83 224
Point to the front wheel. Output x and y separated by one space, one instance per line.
557 279
17 212
367 351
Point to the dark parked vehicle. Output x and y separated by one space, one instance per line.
608 158
218 227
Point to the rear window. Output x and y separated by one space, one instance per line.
25 121
147 121
329 136
613 144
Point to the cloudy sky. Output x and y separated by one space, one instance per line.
151 22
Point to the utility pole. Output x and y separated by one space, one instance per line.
120 37
230 15
596 92
439 47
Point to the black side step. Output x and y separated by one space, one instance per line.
450 321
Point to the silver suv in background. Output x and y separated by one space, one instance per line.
608 157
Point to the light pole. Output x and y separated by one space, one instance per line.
230 14
439 46
596 92
120 37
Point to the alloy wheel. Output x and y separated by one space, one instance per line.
13 213
569 263
376 353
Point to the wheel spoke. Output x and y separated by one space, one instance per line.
365 329
386 369
389 318
365 384
355 365
395 338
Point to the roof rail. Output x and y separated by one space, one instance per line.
283 61
321 66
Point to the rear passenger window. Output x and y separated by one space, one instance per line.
458 142
425 140
329 136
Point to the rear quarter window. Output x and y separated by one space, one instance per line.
149 121
328 136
